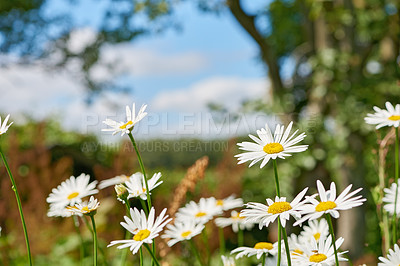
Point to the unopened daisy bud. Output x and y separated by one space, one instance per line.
122 192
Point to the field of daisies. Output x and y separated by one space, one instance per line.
298 229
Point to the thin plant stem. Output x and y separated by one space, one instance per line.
278 191
240 238
328 218
206 245
94 240
141 256
263 260
221 240
396 178
195 251
81 248
279 243
142 168
152 254
285 239
144 207
21 214
99 248
145 180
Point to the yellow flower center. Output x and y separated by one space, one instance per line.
85 209
263 245
394 117
141 235
186 234
318 257
126 124
297 252
237 216
272 148
73 195
325 205
279 207
201 214
317 236
220 202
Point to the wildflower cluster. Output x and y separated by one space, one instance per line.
315 245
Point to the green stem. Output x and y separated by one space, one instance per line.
81 248
396 178
144 207
145 180
279 243
21 214
103 255
328 218
195 251
151 253
278 191
140 256
240 238
206 245
94 240
263 259
142 168
221 240
285 239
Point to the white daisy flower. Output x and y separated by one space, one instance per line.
229 203
72 190
182 230
315 229
270 147
389 198
131 120
59 211
119 179
144 229
382 118
228 261
319 253
295 245
200 212
236 221
329 203
259 249
4 127
85 207
266 214
137 187
393 257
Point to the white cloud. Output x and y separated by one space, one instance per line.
35 92
229 91
140 62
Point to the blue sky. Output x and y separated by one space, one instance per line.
176 73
